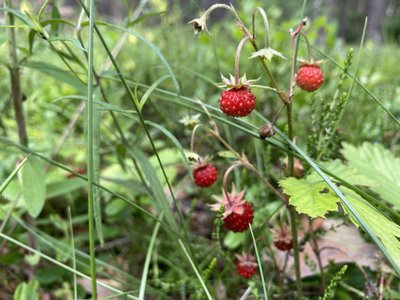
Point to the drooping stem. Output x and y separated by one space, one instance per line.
310 60
237 58
266 26
193 136
225 180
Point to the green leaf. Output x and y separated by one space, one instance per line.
312 198
5 184
267 53
345 172
379 165
33 186
56 73
233 240
174 140
150 90
158 197
23 17
27 291
151 46
66 186
72 40
227 154
32 259
386 230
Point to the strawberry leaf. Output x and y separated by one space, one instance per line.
347 173
380 166
314 199
387 231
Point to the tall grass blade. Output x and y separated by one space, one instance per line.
90 150
148 258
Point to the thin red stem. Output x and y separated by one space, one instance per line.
225 180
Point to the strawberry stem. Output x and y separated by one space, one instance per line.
237 58
193 136
266 26
310 60
292 211
225 181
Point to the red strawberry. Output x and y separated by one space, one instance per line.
246 265
309 77
238 213
283 239
237 102
205 175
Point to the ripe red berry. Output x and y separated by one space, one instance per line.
246 265
283 239
237 102
238 222
205 175
238 213
309 77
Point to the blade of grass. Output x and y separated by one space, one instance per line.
195 270
5 184
150 90
148 258
56 262
259 261
90 150
71 232
65 168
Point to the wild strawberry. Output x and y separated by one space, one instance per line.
246 265
309 77
238 213
237 100
205 175
283 239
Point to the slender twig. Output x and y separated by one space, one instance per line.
292 211
15 79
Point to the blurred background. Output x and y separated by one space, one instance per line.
347 15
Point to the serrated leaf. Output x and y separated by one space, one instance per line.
267 53
345 172
386 230
33 186
314 199
379 165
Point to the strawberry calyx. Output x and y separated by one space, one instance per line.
246 265
236 83
232 202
